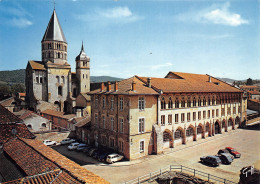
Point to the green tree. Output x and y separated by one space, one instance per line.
249 81
18 88
5 90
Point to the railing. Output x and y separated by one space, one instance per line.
202 175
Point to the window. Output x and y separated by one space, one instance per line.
199 115
96 101
229 110
194 116
199 102
112 123
29 126
213 100
103 102
188 102
176 118
63 79
112 103
166 136
141 146
58 79
182 117
213 113
121 146
83 76
188 117
96 119
204 114
217 112
43 125
194 102
170 104
209 101
177 103
60 90
189 132
41 80
177 134
208 113
162 120
169 119
141 125
183 102
222 111
121 103
204 101
112 142
163 104
121 125
141 103
37 79
234 110
104 122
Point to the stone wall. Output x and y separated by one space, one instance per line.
53 136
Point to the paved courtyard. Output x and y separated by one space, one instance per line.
244 140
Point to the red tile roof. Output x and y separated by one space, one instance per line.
58 114
254 92
7 117
43 164
249 86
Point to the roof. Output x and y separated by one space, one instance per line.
125 88
80 122
7 102
11 126
36 65
248 87
22 94
53 30
174 82
58 114
254 92
82 55
43 164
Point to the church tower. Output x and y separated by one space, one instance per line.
54 43
83 71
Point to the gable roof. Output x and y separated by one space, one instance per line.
36 65
54 30
7 117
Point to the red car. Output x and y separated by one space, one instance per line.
234 152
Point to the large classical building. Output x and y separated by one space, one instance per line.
51 80
140 116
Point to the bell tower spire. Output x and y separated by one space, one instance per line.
54 43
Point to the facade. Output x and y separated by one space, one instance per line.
140 116
51 79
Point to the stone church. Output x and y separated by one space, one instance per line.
50 82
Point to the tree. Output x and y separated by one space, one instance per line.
18 88
249 81
5 90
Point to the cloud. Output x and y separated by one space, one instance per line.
110 16
216 14
20 22
159 66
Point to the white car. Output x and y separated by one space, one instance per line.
114 157
67 141
49 142
73 146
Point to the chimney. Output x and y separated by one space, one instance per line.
108 86
209 78
133 86
102 86
116 86
78 113
149 82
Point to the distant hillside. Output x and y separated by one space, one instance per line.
18 76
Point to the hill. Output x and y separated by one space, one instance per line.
18 76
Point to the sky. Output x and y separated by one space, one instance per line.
139 37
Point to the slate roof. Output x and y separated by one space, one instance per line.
54 30
36 65
82 55
44 165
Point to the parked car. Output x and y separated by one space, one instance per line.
102 157
87 148
225 158
49 142
97 153
226 152
233 152
67 141
114 157
80 147
91 151
212 160
73 146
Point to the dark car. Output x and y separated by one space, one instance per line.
97 153
233 152
212 160
87 148
225 158
226 152
102 157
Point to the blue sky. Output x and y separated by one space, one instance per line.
139 37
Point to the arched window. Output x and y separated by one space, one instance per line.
43 125
194 102
29 126
213 100
163 104
177 134
63 79
177 105
183 102
188 102
60 90
204 101
166 136
209 101
199 102
189 132
170 103
58 79
58 55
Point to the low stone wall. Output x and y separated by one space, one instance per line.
53 136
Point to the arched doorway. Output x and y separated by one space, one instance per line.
167 139
200 131
230 124
237 122
179 136
207 130
217 128
57 105
224 128
191 133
